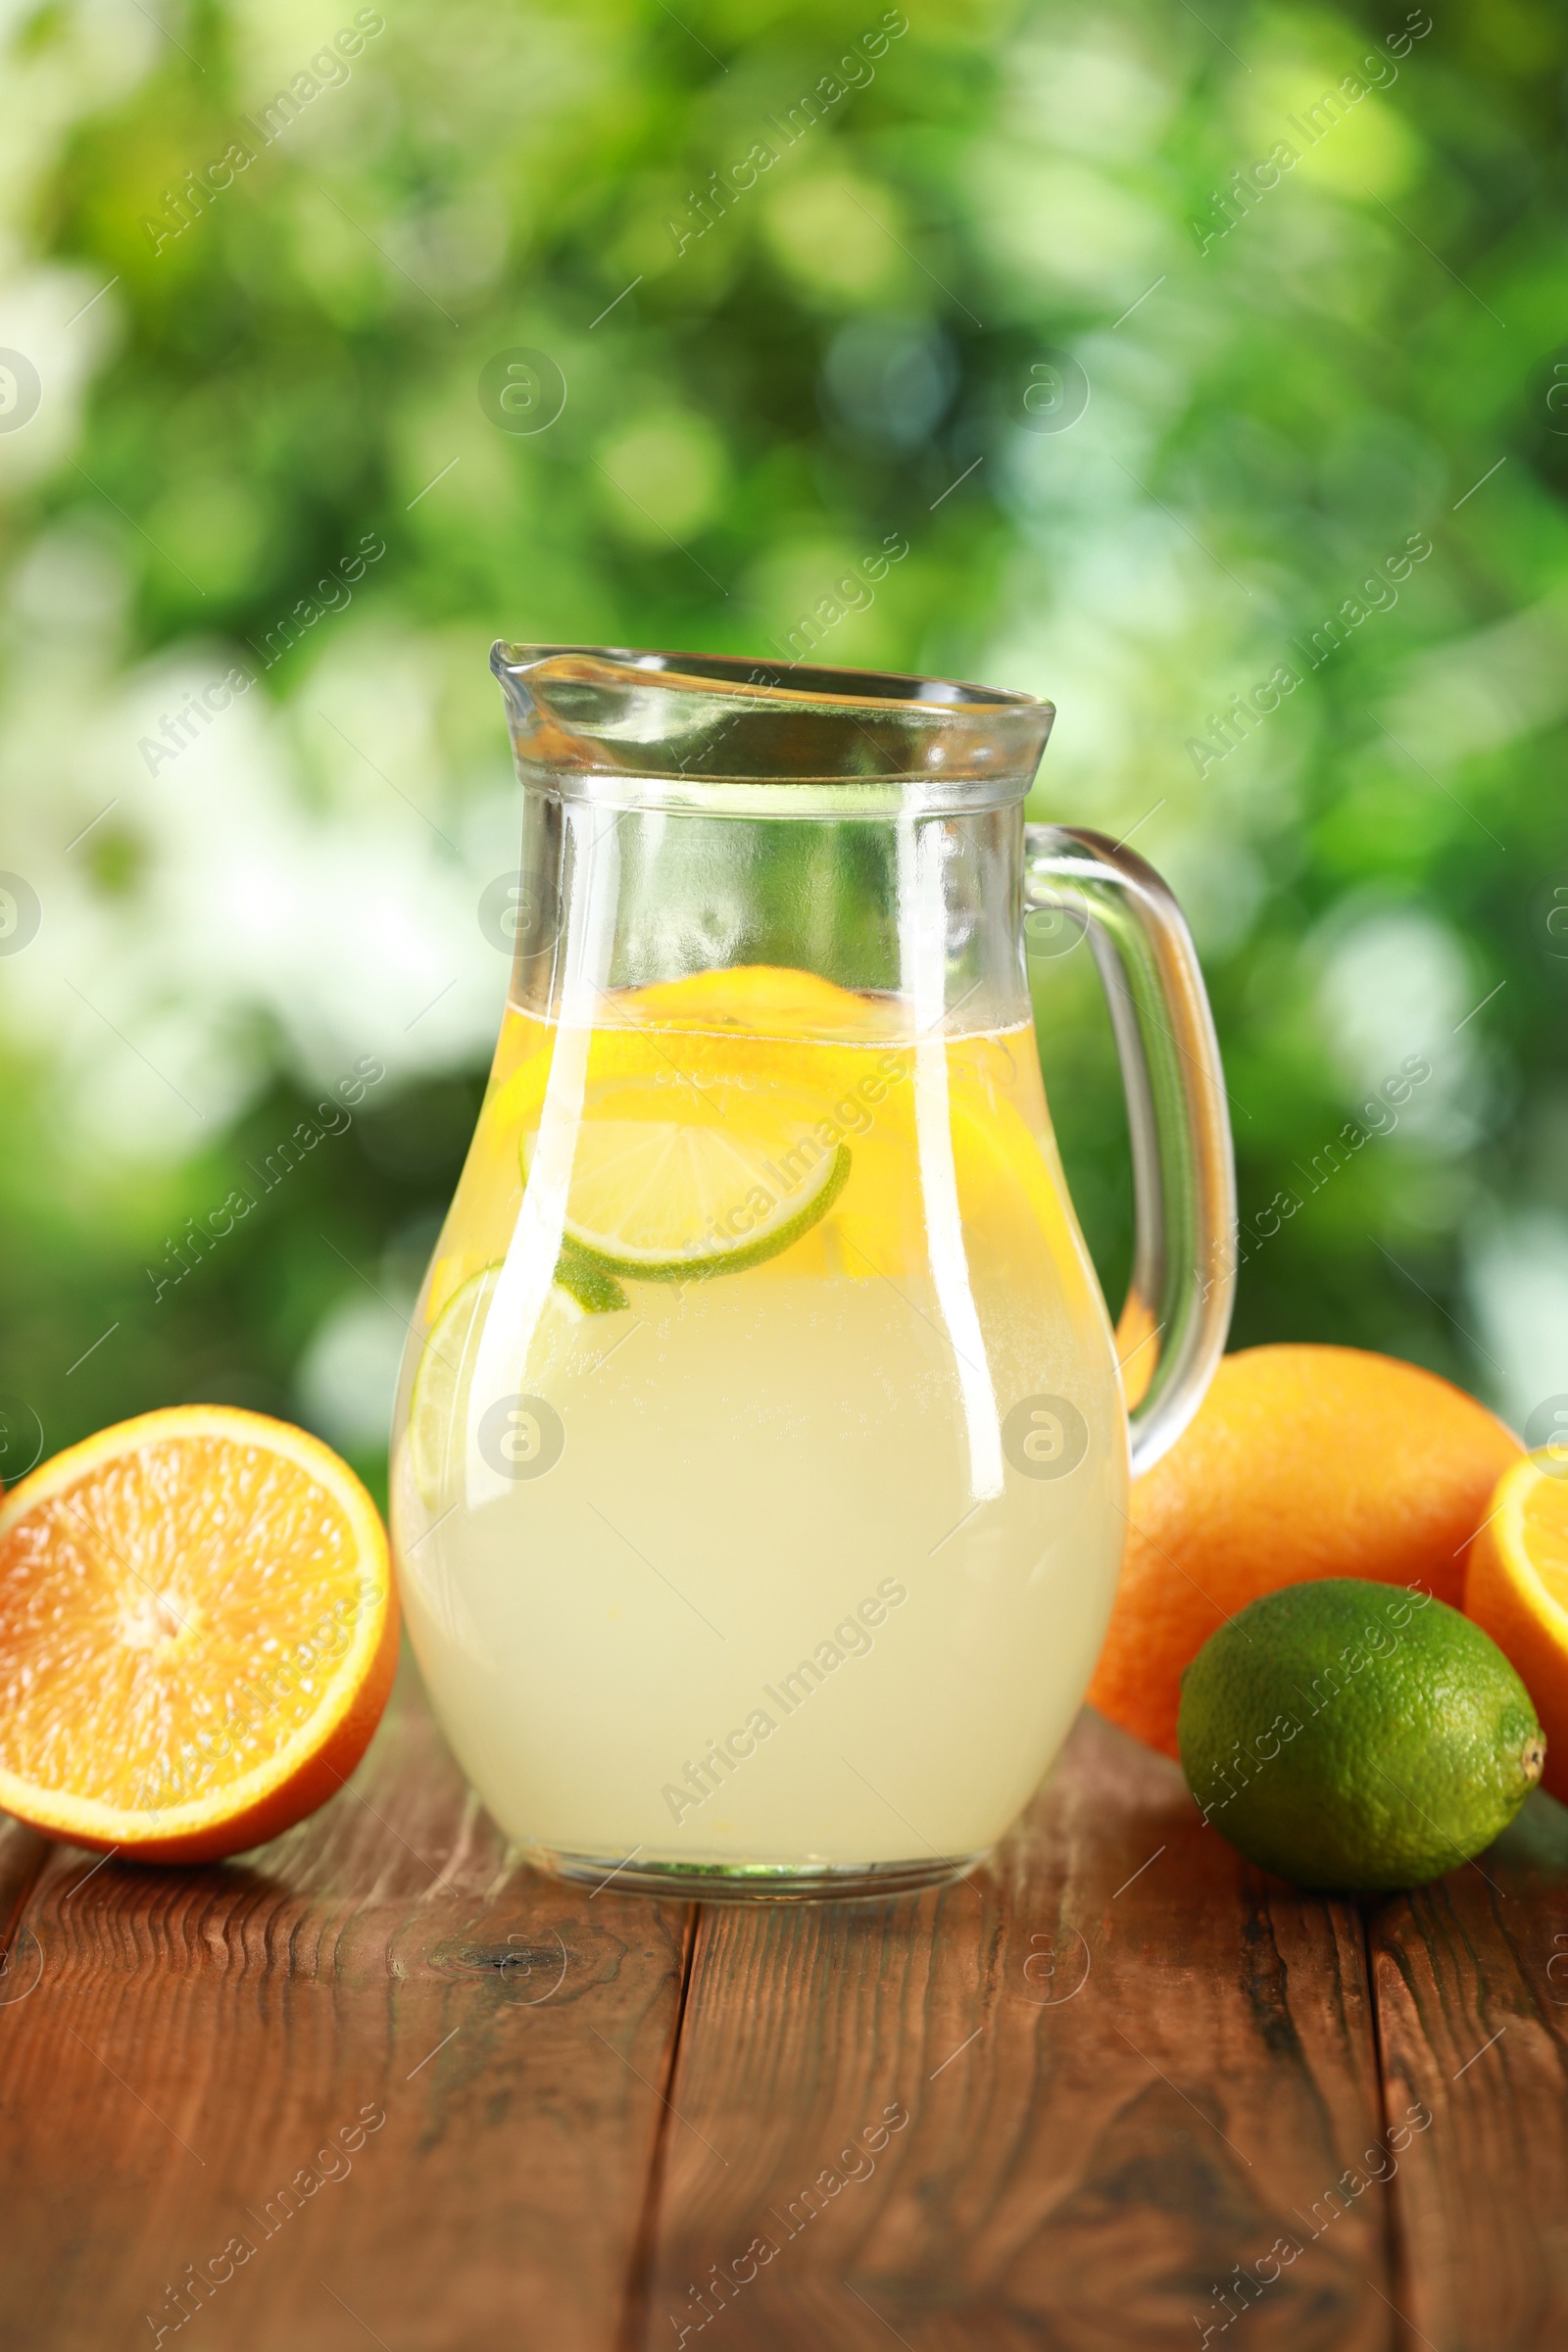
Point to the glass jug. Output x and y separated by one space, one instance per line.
761 1449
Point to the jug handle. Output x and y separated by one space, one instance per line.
1171 1330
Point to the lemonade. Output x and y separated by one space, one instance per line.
759 1487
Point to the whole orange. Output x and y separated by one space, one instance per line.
1301 1463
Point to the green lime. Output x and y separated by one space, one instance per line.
1355 1735
589 1281
441 1380
438 1402
656 1198
769 1237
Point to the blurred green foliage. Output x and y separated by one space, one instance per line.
1289 381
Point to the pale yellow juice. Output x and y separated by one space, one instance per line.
761 1469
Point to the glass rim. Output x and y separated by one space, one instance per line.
664 729
758 679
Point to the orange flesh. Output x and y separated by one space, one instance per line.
1545 1531
171 1620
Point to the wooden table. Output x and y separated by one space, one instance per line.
373 2085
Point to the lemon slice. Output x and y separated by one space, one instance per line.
441 1380
661 1198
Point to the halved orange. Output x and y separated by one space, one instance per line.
198 1634
1516 1589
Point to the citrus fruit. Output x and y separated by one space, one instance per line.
764 1000
197 1634
669 1186
1349 1735
590 1281
1517 1587
445 1367
1301 1463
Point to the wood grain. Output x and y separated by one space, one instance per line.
23 1855
1472 1987
1117 2087
199 2040
1090 2100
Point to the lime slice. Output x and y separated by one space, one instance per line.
443 1371
438 1404
656 1199
592 1285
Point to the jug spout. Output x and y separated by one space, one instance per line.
585 716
